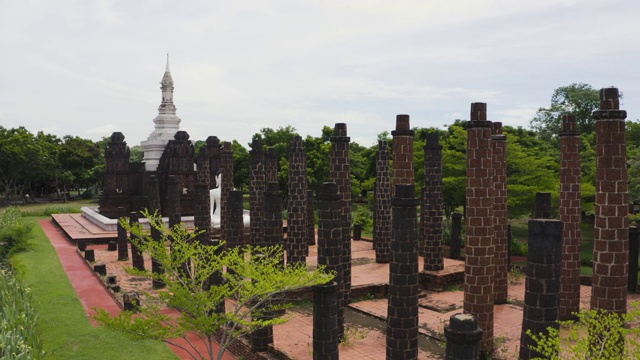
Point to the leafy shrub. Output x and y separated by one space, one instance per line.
364 217
597 334
14 234
519 248
18 336
60 209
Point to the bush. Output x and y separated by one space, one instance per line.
14 234
18 336
364 217
61 209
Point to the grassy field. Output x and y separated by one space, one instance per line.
63 323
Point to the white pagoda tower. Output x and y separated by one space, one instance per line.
167 124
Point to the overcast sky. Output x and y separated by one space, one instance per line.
89 68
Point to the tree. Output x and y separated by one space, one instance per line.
256 287
578 99
240 165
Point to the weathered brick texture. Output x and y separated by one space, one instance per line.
430 246
611 234
226 171
339 173
403 151
382 216
257 183
463 338
297 241
501 242
570 208
479 249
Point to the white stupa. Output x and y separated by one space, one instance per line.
167 124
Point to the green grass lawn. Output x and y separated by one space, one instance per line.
64 325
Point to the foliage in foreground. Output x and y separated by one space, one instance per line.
18 336
256 287
14 233
596 335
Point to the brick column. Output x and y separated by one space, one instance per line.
235 236
479 249
123 243
310 219
156 234
402 313
226 171
173 201
213 155
325 322
272 165
202 206
403 151
340 173
273 215
542 286
430 246
137 260
500 221
463 338
297 248
257 184
570 215
456 236
382 216
330 241
542 209
634 249
611 234
262 337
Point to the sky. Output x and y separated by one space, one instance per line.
89 68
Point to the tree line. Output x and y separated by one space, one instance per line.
43 164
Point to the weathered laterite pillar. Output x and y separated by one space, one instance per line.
382 218
330 242
235 236
297 242
263 337
212 152
310 219
137 261
430 246
402 313
634 249
611 234
340 173
226 172
273 215
500 221
403 151
542 286
479 250
202 215
272 165
542 208
123 244
173 201
456 236
257 183
463 338
156 235
325 322
570 215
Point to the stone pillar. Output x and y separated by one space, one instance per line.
570 215
263 337
325 322
479 250
542 286
500 220
403 151
226 171
463 338
456 236
273 215
402 313
137 260
213 155
382 216
173 201
310 219
634 248
272 166
156 234
330 242
340 173
235 236
123 243
256 191
430 246
297 248
611 234
202 215
542 208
